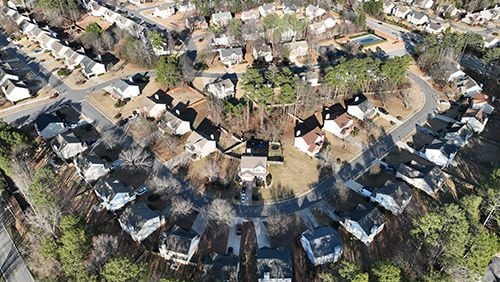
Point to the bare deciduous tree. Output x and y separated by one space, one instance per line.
104 246
164 184
22 167
181 206
221 212
46 220
110 138
136 158
279 225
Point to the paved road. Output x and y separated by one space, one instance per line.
12 264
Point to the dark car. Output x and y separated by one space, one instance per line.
382 110
239 229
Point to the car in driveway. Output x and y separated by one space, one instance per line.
239 229
382 110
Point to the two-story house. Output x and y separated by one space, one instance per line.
113 194
364 223
139 221
393 196
179 245
322 245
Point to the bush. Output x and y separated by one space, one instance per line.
120 103
118 115
200 66
63 72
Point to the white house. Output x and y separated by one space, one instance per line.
274 265
49 125
401 11
90 167
222 88
429 179
424 4
200 146
185 7
309 137
155 105
476 119
393 196
313 12
179 245
67 146
252 168
296 49
267 9
491 41
91 68
364 223
231 56
164 11
262 51
222 267
439 152
225 40
113 194
172 123
196 22
469 87
321 27
322 245
388 6
221 19
360 108
140 221
435 27
337 121
252 15
124 89
417 18
15 90
290 9
459 134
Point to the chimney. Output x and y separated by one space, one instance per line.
356 99
297 133
179 113
327 116
212 137
131 79
157 97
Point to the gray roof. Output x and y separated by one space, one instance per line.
230 51
178 240
85 161
121 84
108 188
277 262
399 191
43 120
222 267
367 216
361 101
418 15
137 215
323 240
446 148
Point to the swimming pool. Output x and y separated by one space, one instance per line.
368 39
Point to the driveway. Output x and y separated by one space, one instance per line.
261 233
233 240
308 218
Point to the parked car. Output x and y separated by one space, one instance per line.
382 110
116 164
55 95
239 229
142 190
243 198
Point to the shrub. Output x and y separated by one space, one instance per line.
63 72
118 115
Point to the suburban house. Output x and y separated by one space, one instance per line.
439 152
231 56
480 101
222 267
288 35
337 121
309 137
113 194
91 68
179 245
262 51
156 105
67 146
202 143
140 221
172 123
401 11
274 265
388 6
185 6
164 11
491 41
90 167
296 49
458 134
429 179
290 9
222 88
225 40
424 4
322 245
313 12
393 196
469 87
49 125
221 19
253 168
124 89
14 90
435 27
267 9
196 22
364 222
312 77
322 26
360 108
248 16
417 18
476 119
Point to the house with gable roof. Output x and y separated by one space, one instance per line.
439 152
313 12
231 56
172 123
309 137
222 88
360 108
221 19
203 141
179 245
337 121
429 179
274 264
124 89
253 168
476 119
364 223
164 11
393 196
90 167
458 134
222 267
139 221
49 125
250 16
113 194
322 245
67 146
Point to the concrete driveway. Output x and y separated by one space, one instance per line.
261 233
233 240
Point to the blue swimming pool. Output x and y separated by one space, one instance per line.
368 39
